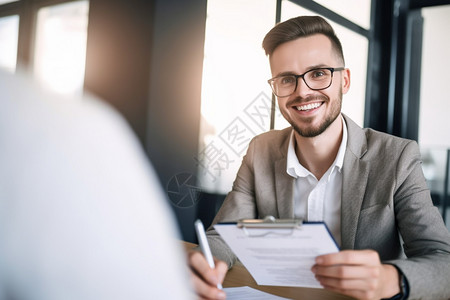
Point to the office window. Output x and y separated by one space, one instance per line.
236 97
60 47
357 11
7 1
9 32
434 133
434 104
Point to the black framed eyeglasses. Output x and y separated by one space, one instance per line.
316 79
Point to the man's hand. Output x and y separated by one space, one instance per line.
205 279
357 273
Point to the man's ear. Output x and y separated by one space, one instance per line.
345 80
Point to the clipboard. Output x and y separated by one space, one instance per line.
278 252
269 222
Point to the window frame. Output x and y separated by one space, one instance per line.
27 11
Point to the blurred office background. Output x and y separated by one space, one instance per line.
191 77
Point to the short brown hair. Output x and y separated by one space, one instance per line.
298 27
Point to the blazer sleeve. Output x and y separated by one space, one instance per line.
239 204
426 239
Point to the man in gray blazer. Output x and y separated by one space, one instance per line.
367 186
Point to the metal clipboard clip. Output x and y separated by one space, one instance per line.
269 225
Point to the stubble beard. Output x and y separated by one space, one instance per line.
311 131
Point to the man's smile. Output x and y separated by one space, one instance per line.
309 106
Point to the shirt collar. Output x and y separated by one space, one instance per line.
339 161
295 169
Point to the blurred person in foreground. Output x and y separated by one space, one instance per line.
82 215
367 186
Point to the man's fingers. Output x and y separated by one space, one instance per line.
360 288
204 290
349 257
358 294
200 266
204 279
221 269
348 284
346 271
357 273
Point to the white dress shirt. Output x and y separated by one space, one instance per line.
318 200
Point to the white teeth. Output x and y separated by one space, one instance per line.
308 106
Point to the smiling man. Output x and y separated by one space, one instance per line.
367 186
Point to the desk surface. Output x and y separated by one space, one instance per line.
239 276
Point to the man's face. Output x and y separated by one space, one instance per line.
310 112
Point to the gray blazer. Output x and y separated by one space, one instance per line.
386 204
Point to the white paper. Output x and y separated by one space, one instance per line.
248 293
280 257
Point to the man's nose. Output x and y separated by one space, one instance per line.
302 89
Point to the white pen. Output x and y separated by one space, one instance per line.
204 246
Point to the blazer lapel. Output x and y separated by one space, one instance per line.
354 181
284 183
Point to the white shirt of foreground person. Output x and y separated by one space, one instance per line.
81 213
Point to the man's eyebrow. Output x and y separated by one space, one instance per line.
288 73
318 66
